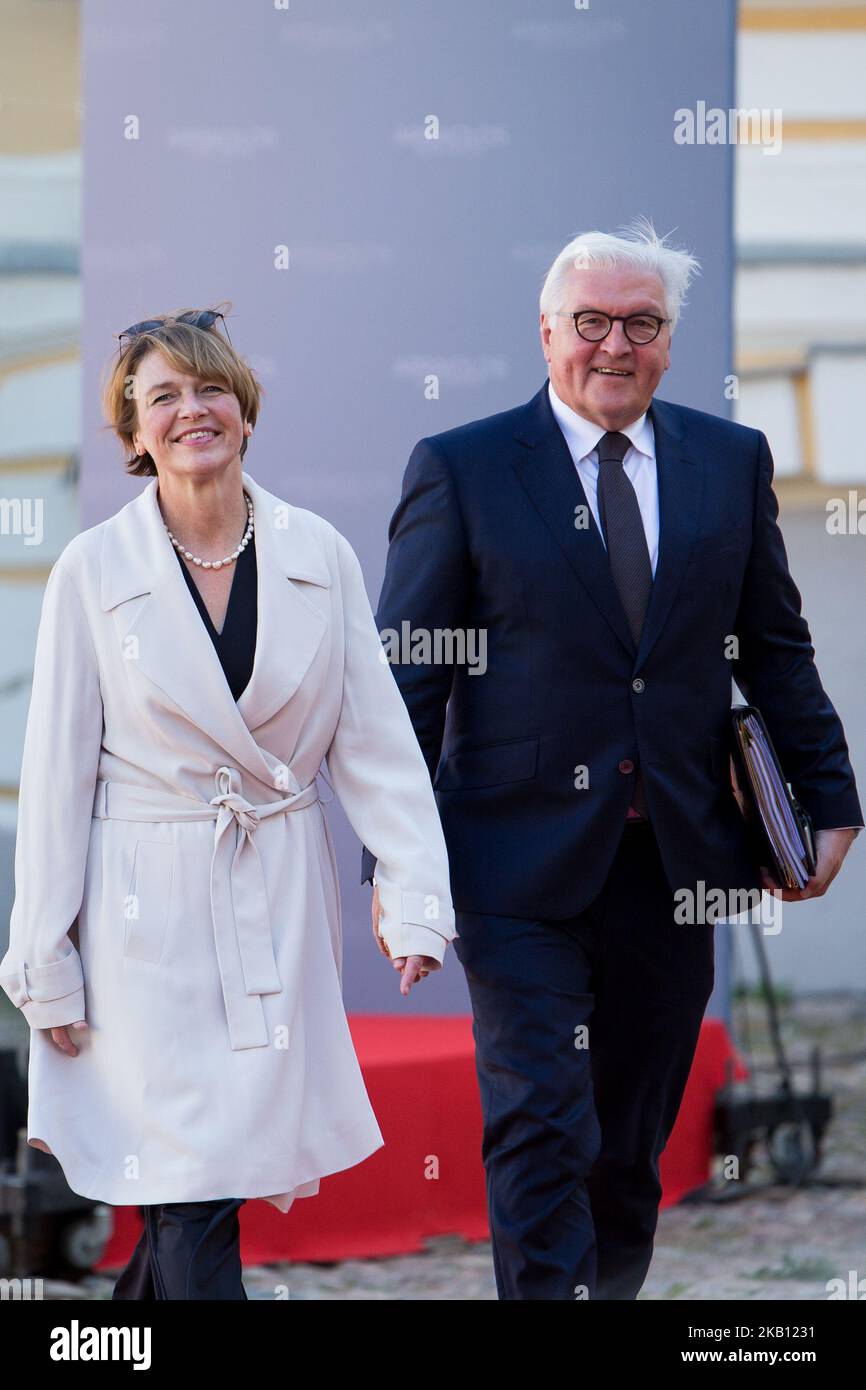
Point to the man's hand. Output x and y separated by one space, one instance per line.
412 967
831 846
62 1038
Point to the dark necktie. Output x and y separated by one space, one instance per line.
627 550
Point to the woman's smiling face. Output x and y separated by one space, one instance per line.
186 424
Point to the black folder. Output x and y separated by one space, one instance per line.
781 829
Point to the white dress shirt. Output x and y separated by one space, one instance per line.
582 438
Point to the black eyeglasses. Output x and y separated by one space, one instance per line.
592 325
198 318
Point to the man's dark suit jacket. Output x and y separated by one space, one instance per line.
484 536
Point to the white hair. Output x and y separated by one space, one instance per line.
640 248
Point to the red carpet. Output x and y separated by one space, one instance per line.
428 1179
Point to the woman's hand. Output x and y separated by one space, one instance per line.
412 968
62 1038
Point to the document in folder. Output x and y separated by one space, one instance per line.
781 828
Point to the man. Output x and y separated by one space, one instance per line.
623 556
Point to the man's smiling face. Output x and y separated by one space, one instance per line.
611 382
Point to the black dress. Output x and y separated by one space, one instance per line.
236 644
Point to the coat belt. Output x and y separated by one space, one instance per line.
239 905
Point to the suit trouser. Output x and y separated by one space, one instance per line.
187 1250
585 1030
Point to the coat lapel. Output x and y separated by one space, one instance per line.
161 628
293 572
547 472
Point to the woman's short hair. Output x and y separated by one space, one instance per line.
200 352
640 248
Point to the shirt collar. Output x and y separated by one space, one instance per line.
582 435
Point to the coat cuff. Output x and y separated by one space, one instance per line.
414 924
49 996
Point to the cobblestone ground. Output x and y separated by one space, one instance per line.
750 1240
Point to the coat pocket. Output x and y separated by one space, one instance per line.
489 765
148 902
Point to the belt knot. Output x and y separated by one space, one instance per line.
228 781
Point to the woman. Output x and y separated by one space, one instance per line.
175 938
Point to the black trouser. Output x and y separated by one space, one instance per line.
585 1031
187 1250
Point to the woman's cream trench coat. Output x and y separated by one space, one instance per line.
175 877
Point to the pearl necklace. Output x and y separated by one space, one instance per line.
218 564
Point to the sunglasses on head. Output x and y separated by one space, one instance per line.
202 318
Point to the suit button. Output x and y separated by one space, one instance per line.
626 765
638 684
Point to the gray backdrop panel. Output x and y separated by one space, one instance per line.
261 127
